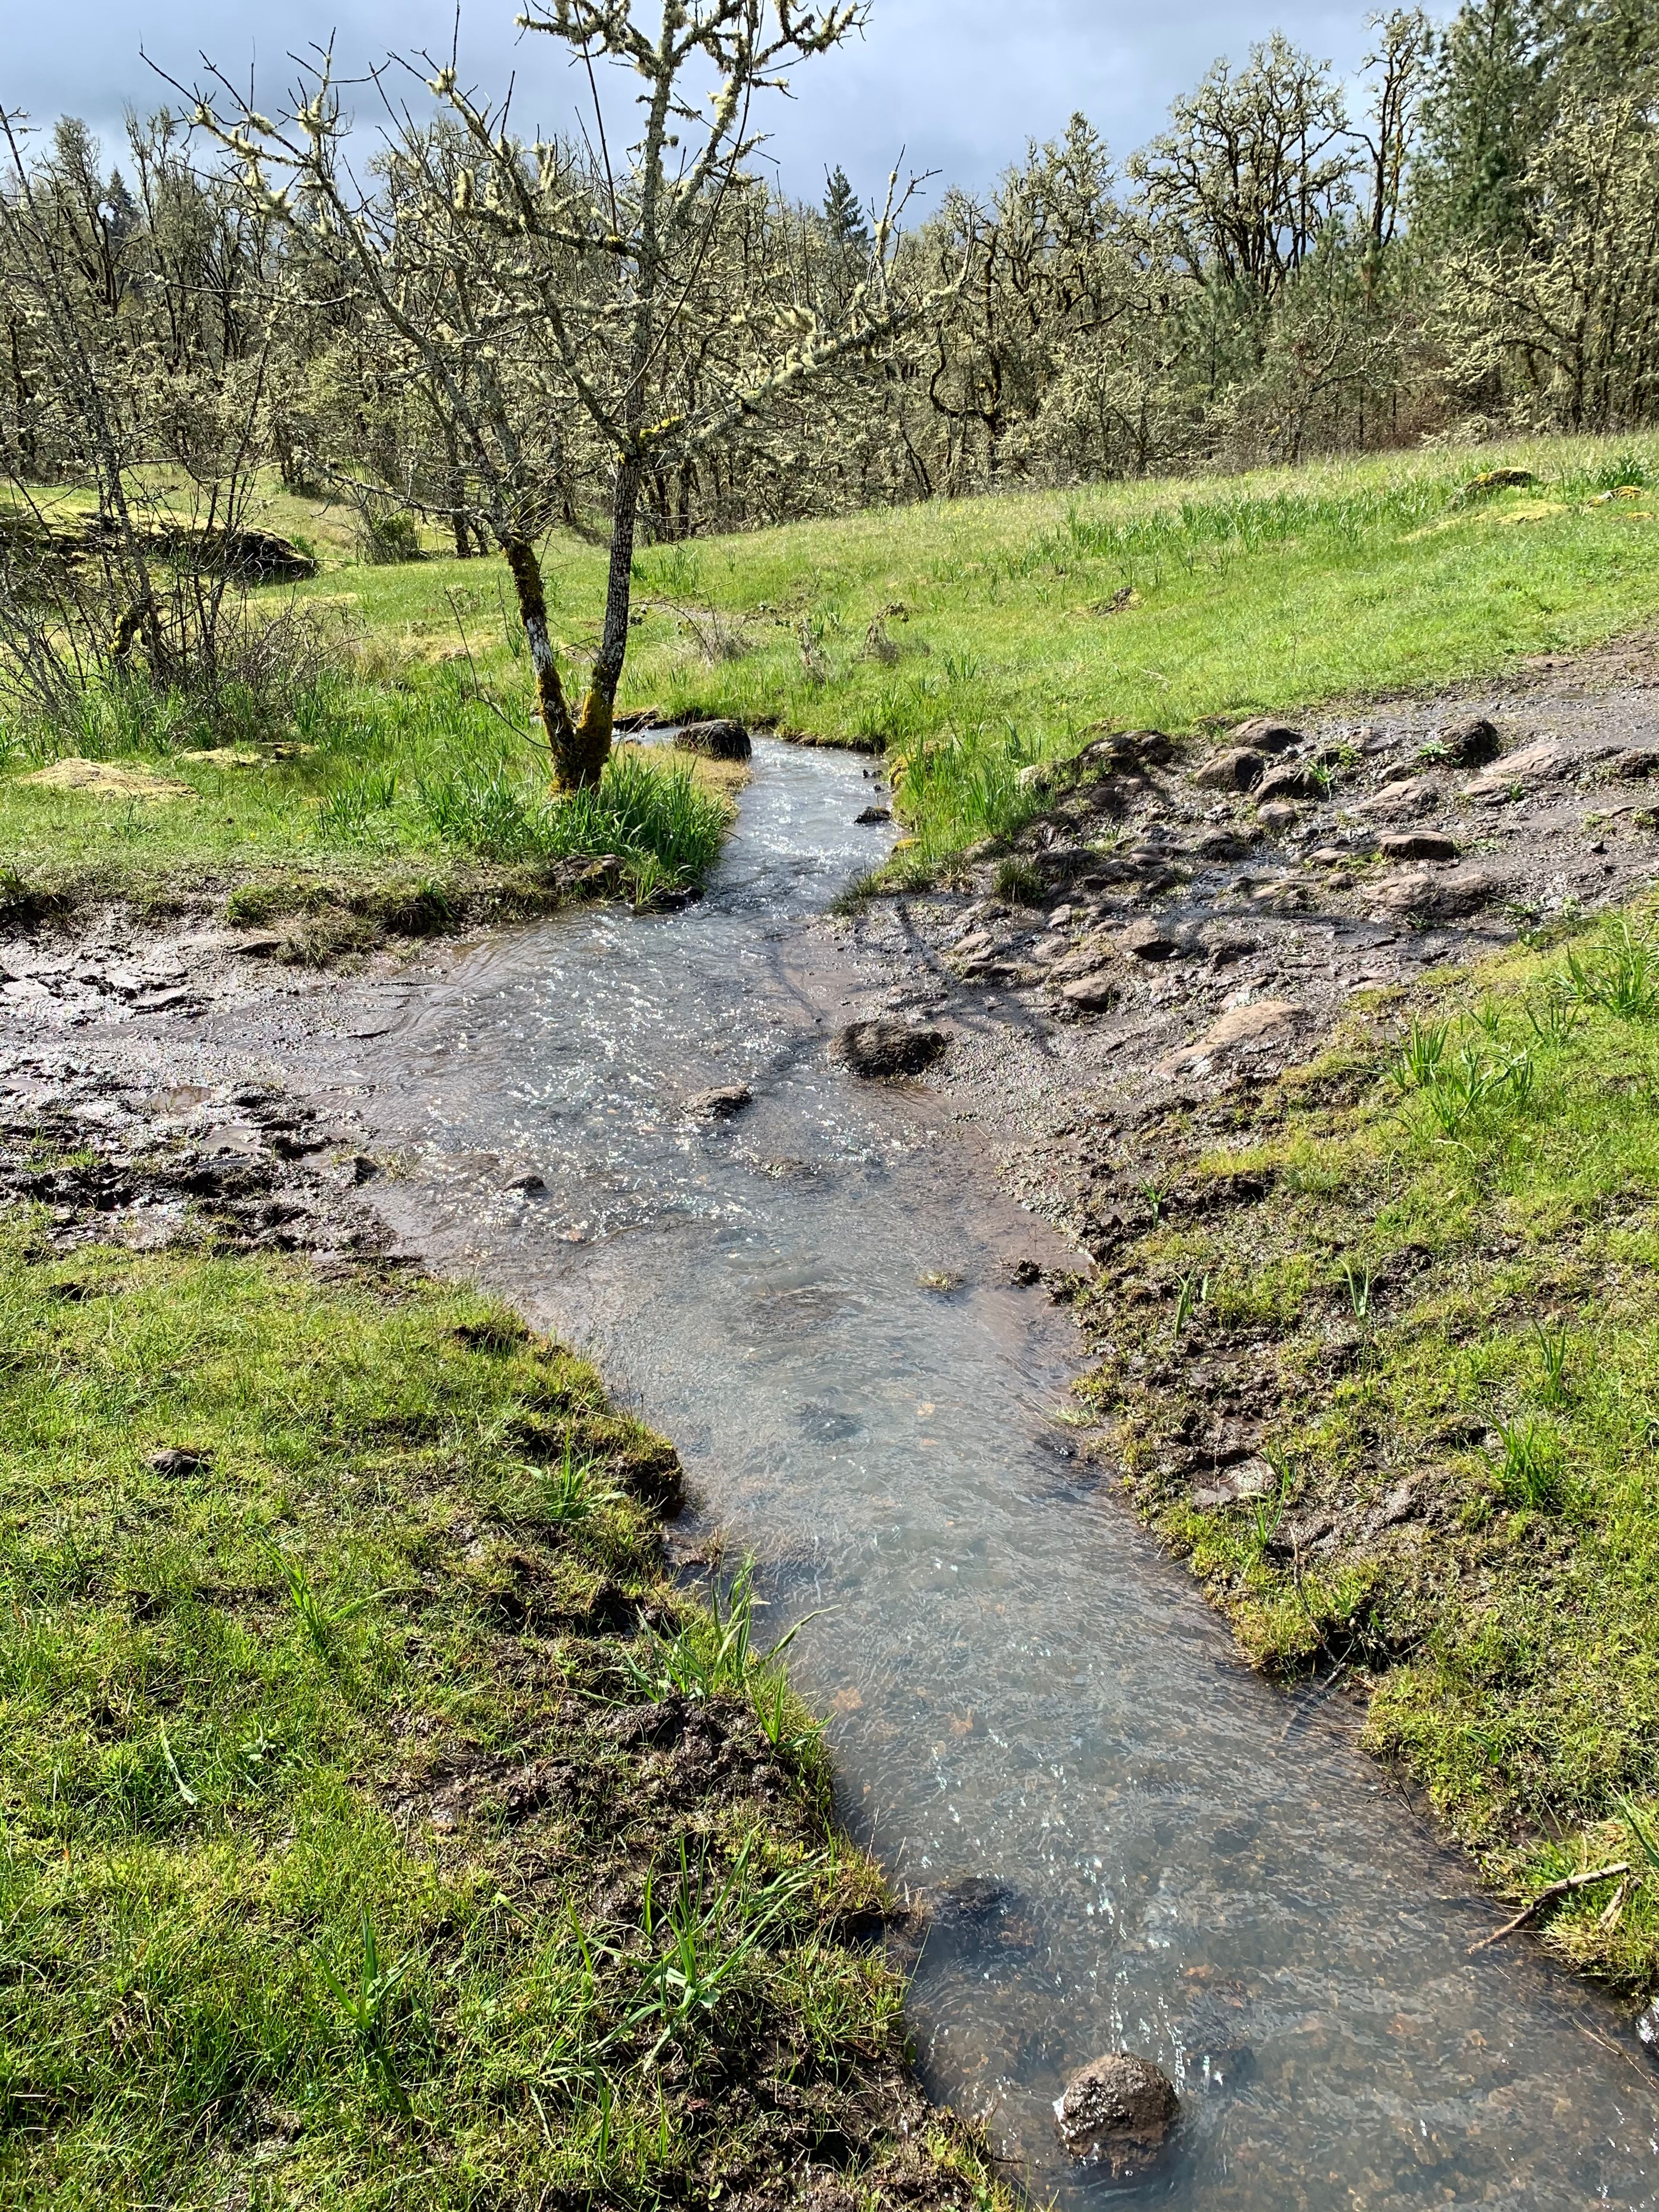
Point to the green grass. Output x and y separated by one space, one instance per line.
969 639
342 1860
387 791
1277 590
1427 1261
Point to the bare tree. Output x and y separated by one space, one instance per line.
1253 169
551 293
1402 60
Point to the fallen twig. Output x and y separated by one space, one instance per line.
1548 1896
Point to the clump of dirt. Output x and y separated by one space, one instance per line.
244 1169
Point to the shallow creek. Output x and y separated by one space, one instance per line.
1035 1716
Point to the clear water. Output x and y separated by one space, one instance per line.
1171 1857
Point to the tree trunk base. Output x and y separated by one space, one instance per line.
592 734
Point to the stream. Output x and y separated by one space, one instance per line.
1132 1840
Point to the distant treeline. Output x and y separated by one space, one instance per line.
1273 277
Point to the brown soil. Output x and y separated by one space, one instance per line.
1183 951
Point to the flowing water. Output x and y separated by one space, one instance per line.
1136 1844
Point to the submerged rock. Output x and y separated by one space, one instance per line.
719 740
721 1103
880 1050
1117 2112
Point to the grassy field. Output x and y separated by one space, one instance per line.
967 639
381 1825
1425 1262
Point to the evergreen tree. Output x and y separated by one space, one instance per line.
1482 123
843 217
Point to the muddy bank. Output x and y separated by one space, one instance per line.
1201 917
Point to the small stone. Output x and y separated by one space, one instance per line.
1417 845
177 1461
720 1104
1238 768
1460 891
1292 782
881 1049
531 1184
1543 762
716 740
1086 958
1089 994
1262 1023
1116 2112
1267 735
1222 845
363 1169
871 815
1145 941
1402 801
1278 817
1473 742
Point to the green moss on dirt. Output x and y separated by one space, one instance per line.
1382 1362
381 1822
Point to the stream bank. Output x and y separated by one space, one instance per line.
381 1815
1126 1837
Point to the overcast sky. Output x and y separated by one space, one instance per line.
960 85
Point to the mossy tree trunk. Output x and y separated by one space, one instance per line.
564 747
597 716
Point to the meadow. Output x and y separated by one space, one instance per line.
966 640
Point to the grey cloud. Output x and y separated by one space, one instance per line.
958 85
